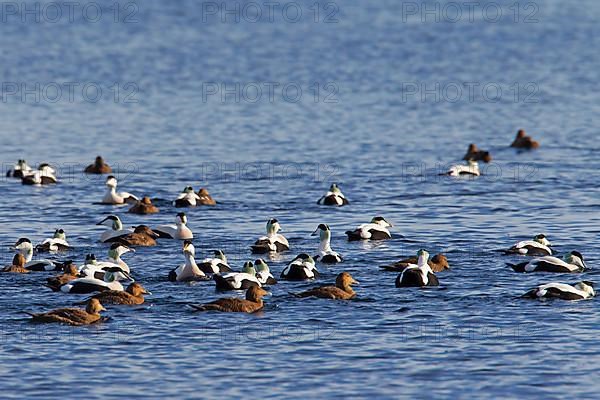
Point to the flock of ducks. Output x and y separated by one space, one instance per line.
102 278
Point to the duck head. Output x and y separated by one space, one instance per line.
46 169
116 274
90 259
111 182
113 222
98 162
249 268
586 286
576 258
70 268
441 260
117 250
334 188
136 289
23 246
324 232
381 221
304 258
344 281
188 248
423 256
273 226
541 238
188 190
181 219
220 255
255 294
146 200
261 265
60 234
203 192
94 307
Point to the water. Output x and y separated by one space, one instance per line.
275 158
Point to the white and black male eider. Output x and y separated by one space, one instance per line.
334 197
418 275
326 254
115 252
58 242
20 169
44 175
374 230
572 262
113 197
216 265
189 271
187 198
470 169
539 246
238 280
579 291
25 247
300 268
273 241
116 229
90 284
178 230
263 273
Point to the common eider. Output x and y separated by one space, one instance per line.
300 268
579 291
58 242
522 141
572 262
273 241
133 295
144 207
539 246
98 167
326 254
178 230
238 280
438 263
374 230
142 235
342 289
418 275
113 197
473 153
251 304
188 271
334 197
72 316
216 265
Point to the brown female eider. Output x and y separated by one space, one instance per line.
438 263
144 206
71 273
341 291
141 236
252 303
98 167
133 295
205 199
72 316
522 141
473 153
18 265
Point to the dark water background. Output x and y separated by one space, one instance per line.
274 157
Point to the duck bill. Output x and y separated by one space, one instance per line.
354 282
315 232
102 222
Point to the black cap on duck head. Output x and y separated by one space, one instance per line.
110 217
589 283
22 240
90 257
303 256
272 221
540 236
43 165
60 230
577 254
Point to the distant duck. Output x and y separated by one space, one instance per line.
263 273
572 262
142 235
90 284
113 197
133 295
470 169
44 175
326 254
300 268
251 304
187 198
143 207
204 198
17 266
19 170
273 241
25 247
189 271
179 230
216 265
58 242
418 275
438 263
98 167
116 229
473 153
334 197
522 141
579 291
374 230
72 316
71 272
342 289
539 246
237 280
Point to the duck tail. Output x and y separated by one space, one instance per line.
30 313
517 267
531 294
353 235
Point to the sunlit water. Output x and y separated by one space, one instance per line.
275 158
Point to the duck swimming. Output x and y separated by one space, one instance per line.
263 273
251 304
113 197
44 175
19 170
133 295
144 207
204 198
472 169
116 229
273 241
579 291
418 275
99 167
334 197
341 291
90 284
238 280
522 141
189 271
374 230
216 265
539 246
25 247
17 266
437 263
58 242
187 198
71 272
326 255
572 262
473 153
115 252
72 316
300 268
142 235
179 230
